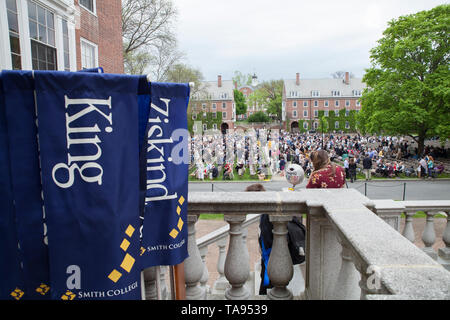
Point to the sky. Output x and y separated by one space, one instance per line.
276 39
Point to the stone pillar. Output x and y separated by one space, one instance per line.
193 265
237 268
444 253
346 287
323 260
280 269
221 283
205 275
429 236
150 283
408 230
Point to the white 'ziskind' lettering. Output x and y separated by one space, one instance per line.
156 164
73 138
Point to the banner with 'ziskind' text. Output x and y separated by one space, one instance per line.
164 238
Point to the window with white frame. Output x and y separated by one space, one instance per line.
316 113
89 5
65 31
336 113
215 126
294 114
305 103
13 26
224 115
316 103
347 112
357 93
347 103
294 104
89 54
335 93
336 103
325 113
214 106
305 113
224 105
316 125
305 125
347 125
41 24
205 127
315 93
358 103
326 103
336 125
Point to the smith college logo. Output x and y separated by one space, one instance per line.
83 138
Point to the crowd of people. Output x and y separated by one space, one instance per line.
266 152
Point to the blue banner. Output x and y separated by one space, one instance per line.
164 239
11 284
88 137
26 181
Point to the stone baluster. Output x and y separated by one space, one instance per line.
205 275
429 235
444 253
221 283
408 230
193 265
163 284
322 255
280 269
237 267
370 282
347 282
150 283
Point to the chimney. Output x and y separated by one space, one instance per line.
219 81
297 79
235 85
347 77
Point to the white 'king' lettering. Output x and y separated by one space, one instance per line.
83 136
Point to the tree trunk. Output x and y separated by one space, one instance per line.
421 143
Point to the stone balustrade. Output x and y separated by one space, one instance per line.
351 253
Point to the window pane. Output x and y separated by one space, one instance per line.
16 63
42 33
31 10
66 60
65 28
51 57
33 30
34 50
41 15
35 64
15 45
12 22
51 37
66 43
87 4
42 65
11 5
50 22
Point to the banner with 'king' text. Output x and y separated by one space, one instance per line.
88 138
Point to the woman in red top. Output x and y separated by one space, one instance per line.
325 174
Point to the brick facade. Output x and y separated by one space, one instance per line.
103 28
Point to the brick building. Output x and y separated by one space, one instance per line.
61 35
217 99
305 99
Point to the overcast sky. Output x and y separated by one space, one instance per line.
277 38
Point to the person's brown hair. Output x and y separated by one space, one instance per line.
255 187
320 160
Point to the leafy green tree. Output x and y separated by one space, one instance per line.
409 80
239 99
259 117
242 79
269 95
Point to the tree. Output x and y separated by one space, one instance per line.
239 100
258 117
269 94
242 79
341 75
149 44
409 81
